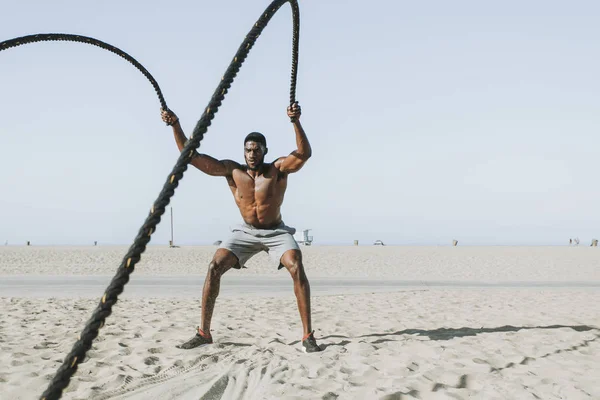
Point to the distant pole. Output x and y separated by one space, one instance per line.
171 244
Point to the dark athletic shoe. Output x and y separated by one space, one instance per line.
200 339
309 344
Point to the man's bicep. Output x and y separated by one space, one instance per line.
291 163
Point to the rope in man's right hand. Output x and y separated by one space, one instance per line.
168 117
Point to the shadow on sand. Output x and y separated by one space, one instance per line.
451 333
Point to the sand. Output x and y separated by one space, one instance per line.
427 342
480 264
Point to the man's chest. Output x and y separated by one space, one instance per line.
260 188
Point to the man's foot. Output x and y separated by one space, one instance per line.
199 339
309 344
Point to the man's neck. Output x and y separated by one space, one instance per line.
255 172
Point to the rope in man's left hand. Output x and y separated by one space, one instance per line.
294 111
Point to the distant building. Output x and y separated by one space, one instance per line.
378 243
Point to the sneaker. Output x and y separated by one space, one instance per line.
200 339
309 344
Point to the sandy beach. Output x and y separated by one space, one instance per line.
395 323
481 264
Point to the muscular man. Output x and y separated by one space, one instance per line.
258 189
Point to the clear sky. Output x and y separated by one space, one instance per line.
429 121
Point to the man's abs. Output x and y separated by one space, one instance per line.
261 216
259 199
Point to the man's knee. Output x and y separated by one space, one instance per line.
221 262
293 263
216 269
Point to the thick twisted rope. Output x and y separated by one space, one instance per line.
47 37
104 309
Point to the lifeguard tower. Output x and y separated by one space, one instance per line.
304 238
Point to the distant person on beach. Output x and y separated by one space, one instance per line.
258 189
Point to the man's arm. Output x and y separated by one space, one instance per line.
203 162
303 152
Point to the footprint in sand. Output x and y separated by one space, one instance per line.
125 351
413 367
155 350
151 360
45 345
101 364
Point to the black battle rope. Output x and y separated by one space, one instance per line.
48 37
103 310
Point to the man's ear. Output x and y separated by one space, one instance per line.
266 150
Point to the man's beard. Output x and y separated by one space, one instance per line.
258 165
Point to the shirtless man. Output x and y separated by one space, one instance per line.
258 189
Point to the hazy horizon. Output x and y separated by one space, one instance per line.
314 244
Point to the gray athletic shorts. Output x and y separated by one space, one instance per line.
246 241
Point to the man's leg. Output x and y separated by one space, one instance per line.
222 261
292 260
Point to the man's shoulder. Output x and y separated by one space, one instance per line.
277 163
275 168
234 165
